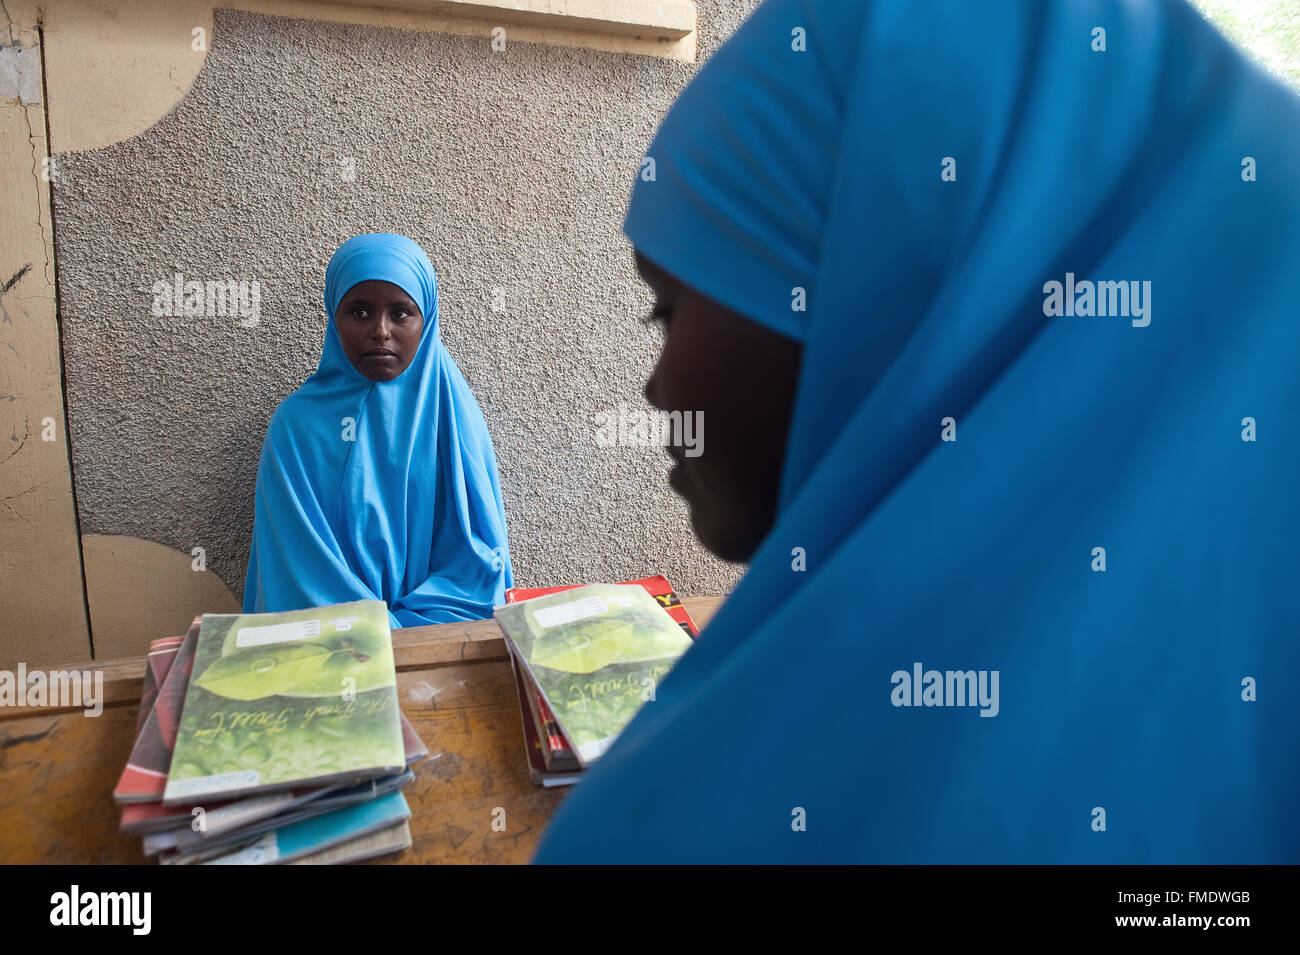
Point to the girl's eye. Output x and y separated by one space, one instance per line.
360 312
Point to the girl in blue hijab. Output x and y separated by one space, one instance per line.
1025 591
377 479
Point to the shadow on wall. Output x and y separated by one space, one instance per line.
139 591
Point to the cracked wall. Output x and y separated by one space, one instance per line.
42 610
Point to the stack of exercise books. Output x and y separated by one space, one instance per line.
586 659
272 738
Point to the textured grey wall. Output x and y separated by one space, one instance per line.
512 170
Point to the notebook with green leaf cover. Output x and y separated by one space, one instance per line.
597 653
282 700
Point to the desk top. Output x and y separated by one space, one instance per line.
58 768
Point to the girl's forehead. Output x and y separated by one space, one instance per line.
378 289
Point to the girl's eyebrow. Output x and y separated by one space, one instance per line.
354 302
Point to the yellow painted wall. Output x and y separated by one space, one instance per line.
42 609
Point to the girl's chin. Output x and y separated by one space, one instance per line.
710 526
381 373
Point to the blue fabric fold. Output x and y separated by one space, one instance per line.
380 490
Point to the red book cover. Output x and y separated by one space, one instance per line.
157 664
537 768
145 775
553 741
555 749
658 587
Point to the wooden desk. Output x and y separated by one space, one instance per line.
58 768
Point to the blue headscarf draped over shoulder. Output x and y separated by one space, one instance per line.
1031 595
380 490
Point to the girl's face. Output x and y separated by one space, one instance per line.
740 378
379 327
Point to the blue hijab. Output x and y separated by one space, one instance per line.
380 490
1145 712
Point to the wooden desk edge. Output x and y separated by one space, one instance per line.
414 648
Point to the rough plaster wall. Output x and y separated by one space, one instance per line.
511 169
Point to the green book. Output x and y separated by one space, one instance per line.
279 701
597 653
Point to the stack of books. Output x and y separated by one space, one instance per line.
586 659
272 738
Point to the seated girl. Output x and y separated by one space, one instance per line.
378 478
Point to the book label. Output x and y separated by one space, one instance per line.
569 612
277 633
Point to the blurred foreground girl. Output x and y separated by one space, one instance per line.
1023 545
